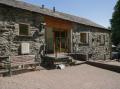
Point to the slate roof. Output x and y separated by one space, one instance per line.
45 11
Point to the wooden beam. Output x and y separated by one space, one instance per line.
60 41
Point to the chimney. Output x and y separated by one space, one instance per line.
43 6
53 9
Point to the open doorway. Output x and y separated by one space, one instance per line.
60 41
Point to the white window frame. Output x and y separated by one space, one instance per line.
102 39
87 37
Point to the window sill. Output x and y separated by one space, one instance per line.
83 44
28 36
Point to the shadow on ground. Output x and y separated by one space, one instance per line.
109 67
113 68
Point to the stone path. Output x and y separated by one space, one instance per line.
77 77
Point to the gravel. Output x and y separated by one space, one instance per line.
77 77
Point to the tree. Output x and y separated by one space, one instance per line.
115 24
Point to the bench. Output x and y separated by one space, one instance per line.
15 63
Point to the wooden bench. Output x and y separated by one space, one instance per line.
15 63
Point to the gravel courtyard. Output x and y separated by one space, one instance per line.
77 77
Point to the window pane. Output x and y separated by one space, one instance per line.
63 34
23 29
83 37
102 39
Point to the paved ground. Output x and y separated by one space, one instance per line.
78 77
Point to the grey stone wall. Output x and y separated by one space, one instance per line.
93 49
10 41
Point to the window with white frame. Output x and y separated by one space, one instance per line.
102 39
84 38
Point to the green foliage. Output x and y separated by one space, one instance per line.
115 24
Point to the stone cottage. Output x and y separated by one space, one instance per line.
25 28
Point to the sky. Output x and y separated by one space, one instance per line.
99 11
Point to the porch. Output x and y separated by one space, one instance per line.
58 35
53 61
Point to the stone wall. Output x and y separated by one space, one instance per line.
10 40
93 49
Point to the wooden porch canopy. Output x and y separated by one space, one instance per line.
57 23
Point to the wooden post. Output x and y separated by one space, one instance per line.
66 43
60 42
54 40
71 34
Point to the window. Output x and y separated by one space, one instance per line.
84 38
23 29
102 39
